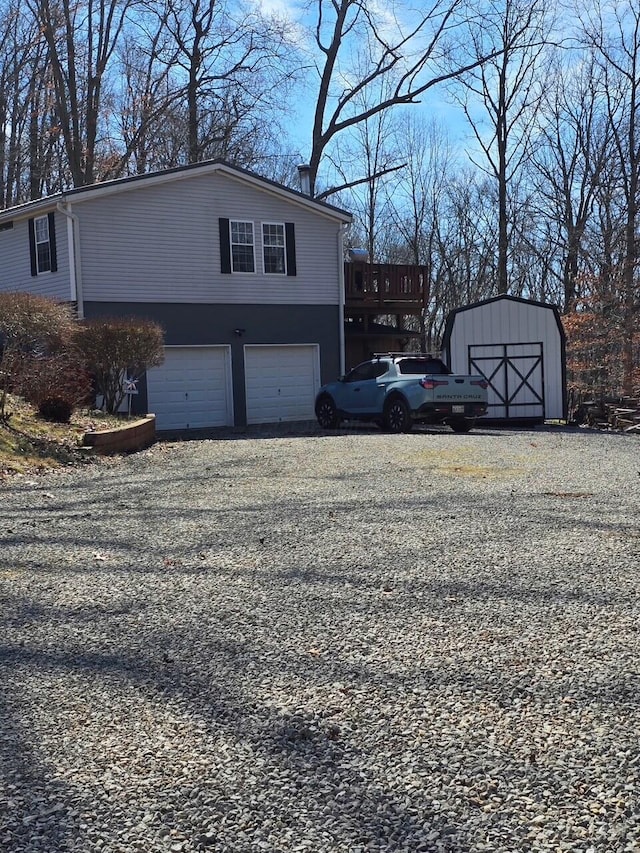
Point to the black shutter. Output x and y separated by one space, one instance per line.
225 246
32 248
290 235
52 242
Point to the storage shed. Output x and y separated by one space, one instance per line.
519 346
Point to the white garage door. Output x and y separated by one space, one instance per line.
281 382
192 389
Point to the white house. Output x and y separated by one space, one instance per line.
519 346
244 275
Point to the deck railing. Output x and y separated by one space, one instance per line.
377 284
380 283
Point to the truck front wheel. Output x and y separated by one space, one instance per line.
326 413
396 416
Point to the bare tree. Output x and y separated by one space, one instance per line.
81 40
605 234
22 106
467 239
613 32
227 63
500 94
372 150
417 201
146 96
457 245
572 153
413 57
416 194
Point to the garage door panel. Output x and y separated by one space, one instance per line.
281 382
192 389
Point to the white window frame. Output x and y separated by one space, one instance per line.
42 242
265 246
233 222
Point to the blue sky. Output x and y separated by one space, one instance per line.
435 103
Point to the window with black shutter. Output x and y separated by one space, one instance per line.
42 244
238 247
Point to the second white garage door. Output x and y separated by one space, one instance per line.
192 389
281 382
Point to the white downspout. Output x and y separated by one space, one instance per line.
73 242
342 296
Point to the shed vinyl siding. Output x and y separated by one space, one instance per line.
510 322
162 243
15 262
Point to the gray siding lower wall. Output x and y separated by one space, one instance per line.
201 325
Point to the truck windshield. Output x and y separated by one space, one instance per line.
422 366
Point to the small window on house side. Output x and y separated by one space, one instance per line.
273 248
242 251
43 244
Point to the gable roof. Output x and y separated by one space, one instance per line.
503 297
208 167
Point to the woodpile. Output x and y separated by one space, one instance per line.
619 413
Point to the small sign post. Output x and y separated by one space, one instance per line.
130 388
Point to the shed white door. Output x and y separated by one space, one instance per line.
281 382
192 389
515 376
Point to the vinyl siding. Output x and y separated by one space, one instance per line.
161 244
513 322
15 263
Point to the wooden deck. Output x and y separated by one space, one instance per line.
386 287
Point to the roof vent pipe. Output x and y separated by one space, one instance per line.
304 173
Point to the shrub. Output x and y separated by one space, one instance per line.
116 348
56 409
55 376
595 349
29 326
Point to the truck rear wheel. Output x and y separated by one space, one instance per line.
396 416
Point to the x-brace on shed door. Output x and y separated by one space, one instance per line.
515 373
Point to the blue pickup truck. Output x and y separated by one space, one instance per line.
399 390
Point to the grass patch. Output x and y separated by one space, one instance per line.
30 444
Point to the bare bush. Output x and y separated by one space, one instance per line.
114 349
57 376
30 327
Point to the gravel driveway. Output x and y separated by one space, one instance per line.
306 642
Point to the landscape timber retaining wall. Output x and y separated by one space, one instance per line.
131 436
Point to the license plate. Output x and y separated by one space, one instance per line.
457 410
